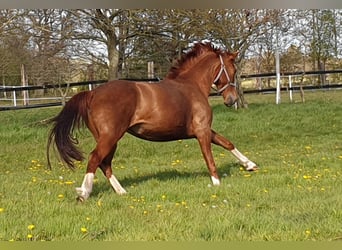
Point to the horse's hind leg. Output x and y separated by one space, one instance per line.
223 142
106 167
84 191
105 148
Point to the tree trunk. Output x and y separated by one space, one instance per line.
301 89
242 102
113 59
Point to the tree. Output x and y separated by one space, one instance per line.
49 31
13 45
291 60
239 30
324 38
98 35
162 36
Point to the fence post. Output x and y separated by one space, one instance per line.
277 77
290 86
24 84
14 98
150 70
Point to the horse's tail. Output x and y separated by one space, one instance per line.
72 116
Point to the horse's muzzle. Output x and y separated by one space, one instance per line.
230 101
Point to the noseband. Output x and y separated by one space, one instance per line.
223 69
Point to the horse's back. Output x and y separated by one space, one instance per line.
153 111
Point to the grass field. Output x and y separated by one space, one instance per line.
295 196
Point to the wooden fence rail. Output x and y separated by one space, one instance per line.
11 91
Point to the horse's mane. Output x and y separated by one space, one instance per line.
188 58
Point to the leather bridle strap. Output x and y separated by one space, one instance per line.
223 69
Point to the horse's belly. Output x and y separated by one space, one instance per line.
158 133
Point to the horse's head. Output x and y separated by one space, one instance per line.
224 80
193 66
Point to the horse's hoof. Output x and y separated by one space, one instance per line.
80 199
252 169
122 192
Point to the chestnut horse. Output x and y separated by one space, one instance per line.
175 108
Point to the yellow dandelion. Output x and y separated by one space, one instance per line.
340 156
214 196
247 175
29 236
68 182
60 196
30 227
88 219
307 232
2 209
163 196
145 212
84 230
308 147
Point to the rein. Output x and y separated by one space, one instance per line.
223 69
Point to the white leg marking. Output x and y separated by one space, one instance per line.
249 165
215 181
87 186
116 185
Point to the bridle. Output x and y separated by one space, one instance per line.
223 69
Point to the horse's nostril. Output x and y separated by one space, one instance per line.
230 101
228 104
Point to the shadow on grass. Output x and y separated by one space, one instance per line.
166 175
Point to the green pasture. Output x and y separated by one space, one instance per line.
295 196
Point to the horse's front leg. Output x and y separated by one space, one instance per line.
205 144
223 142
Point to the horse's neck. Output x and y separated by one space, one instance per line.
201 74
